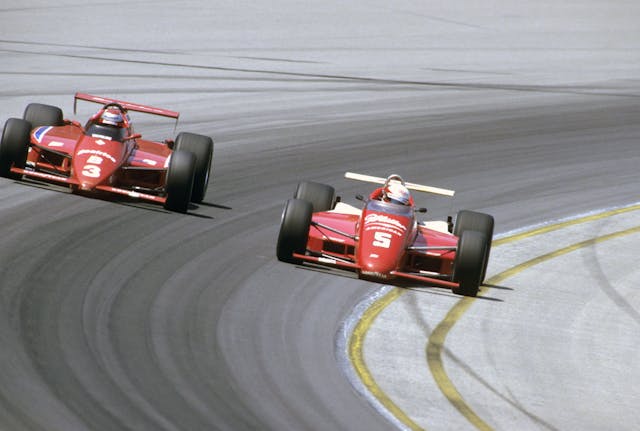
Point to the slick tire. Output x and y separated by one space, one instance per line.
321 196
202 147
480 222
294 230
468 265
179 184
39 114
14 146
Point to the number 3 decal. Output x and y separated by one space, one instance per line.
91 171
382 239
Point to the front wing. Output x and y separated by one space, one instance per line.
335 261
73 182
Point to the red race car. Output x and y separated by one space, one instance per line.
106 155
384 241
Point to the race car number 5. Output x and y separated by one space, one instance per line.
91 171
382 239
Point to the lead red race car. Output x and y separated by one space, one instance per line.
384 241
106 155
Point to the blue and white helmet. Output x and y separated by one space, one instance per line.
112 117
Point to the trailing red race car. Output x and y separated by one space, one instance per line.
106 155
384 241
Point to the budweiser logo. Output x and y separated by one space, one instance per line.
97 153
385 220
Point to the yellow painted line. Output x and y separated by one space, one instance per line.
438 336
561 225
357 358
435 346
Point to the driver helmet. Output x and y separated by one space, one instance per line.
396 193
112 117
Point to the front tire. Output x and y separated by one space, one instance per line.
39 114
321 196
202 147
14 146
179 184
294 230
480 222
469 262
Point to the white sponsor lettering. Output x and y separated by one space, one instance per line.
98 153
55 144
383 219
101 142
375 274
95 160
150 162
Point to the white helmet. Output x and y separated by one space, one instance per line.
396 193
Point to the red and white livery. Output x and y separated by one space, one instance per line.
384 241
106 155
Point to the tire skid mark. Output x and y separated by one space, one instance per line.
163 77
347 78
69 45
435 345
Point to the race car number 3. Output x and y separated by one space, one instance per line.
91 171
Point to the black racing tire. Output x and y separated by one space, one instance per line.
468 265
480 222
321 196
14 146
179 184
39 114
294 230
202 147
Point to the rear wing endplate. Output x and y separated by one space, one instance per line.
412 186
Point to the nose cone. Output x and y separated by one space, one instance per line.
380 262
95 160
381 245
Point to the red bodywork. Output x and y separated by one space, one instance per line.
383 242
88 160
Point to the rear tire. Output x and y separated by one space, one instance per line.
39 114
321 196
480 222
202 147
14 146
179 185
294 230
468 266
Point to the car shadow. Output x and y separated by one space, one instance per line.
212 205
120 200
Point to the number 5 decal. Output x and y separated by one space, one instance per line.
382 239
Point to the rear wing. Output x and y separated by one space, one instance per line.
127 105
412 186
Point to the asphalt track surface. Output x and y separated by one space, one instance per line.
121 316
